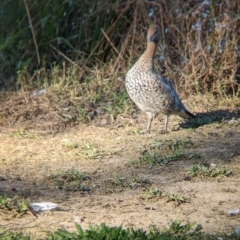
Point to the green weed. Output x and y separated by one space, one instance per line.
90 150
154 194
69 144
71 180
9 235
177 227
155 155
202 171
176 231
118 183
25 134
15 207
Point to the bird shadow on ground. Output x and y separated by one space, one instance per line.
218 116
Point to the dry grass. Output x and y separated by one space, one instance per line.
198 51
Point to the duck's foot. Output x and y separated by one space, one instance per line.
144 132
163 131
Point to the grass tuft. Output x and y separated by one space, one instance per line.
71 180
154 194
176 231
118 183
14 207
202 171
155 155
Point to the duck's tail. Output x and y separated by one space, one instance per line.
184 113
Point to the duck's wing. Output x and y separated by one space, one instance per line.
179 108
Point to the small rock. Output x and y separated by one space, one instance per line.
234 212
232 121
39 93
213 165
103 122
150 208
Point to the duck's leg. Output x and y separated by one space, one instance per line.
164 130
150 116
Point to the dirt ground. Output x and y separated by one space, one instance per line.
108 151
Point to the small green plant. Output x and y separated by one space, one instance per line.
71 180
202 171
177 228
69 144
160 155
101 232
206 119
120 103
179 145
90 150
8 235
118 183
21 132
25 134
15 206
155 158
155 194
176 231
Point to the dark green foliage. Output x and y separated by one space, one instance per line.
103 232
176 231
13 236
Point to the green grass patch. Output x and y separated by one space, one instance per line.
155 194
118 183
163 154
69 144
203 171
90 150
22 133
176 231
14 207
71 180
10 235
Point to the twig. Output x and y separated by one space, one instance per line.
105 35
124 46
109 30
12 105
32 30
63 55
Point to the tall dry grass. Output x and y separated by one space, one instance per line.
199 49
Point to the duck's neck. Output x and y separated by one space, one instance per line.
148 55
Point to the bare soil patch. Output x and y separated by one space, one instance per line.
121 189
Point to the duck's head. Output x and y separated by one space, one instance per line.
154 33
